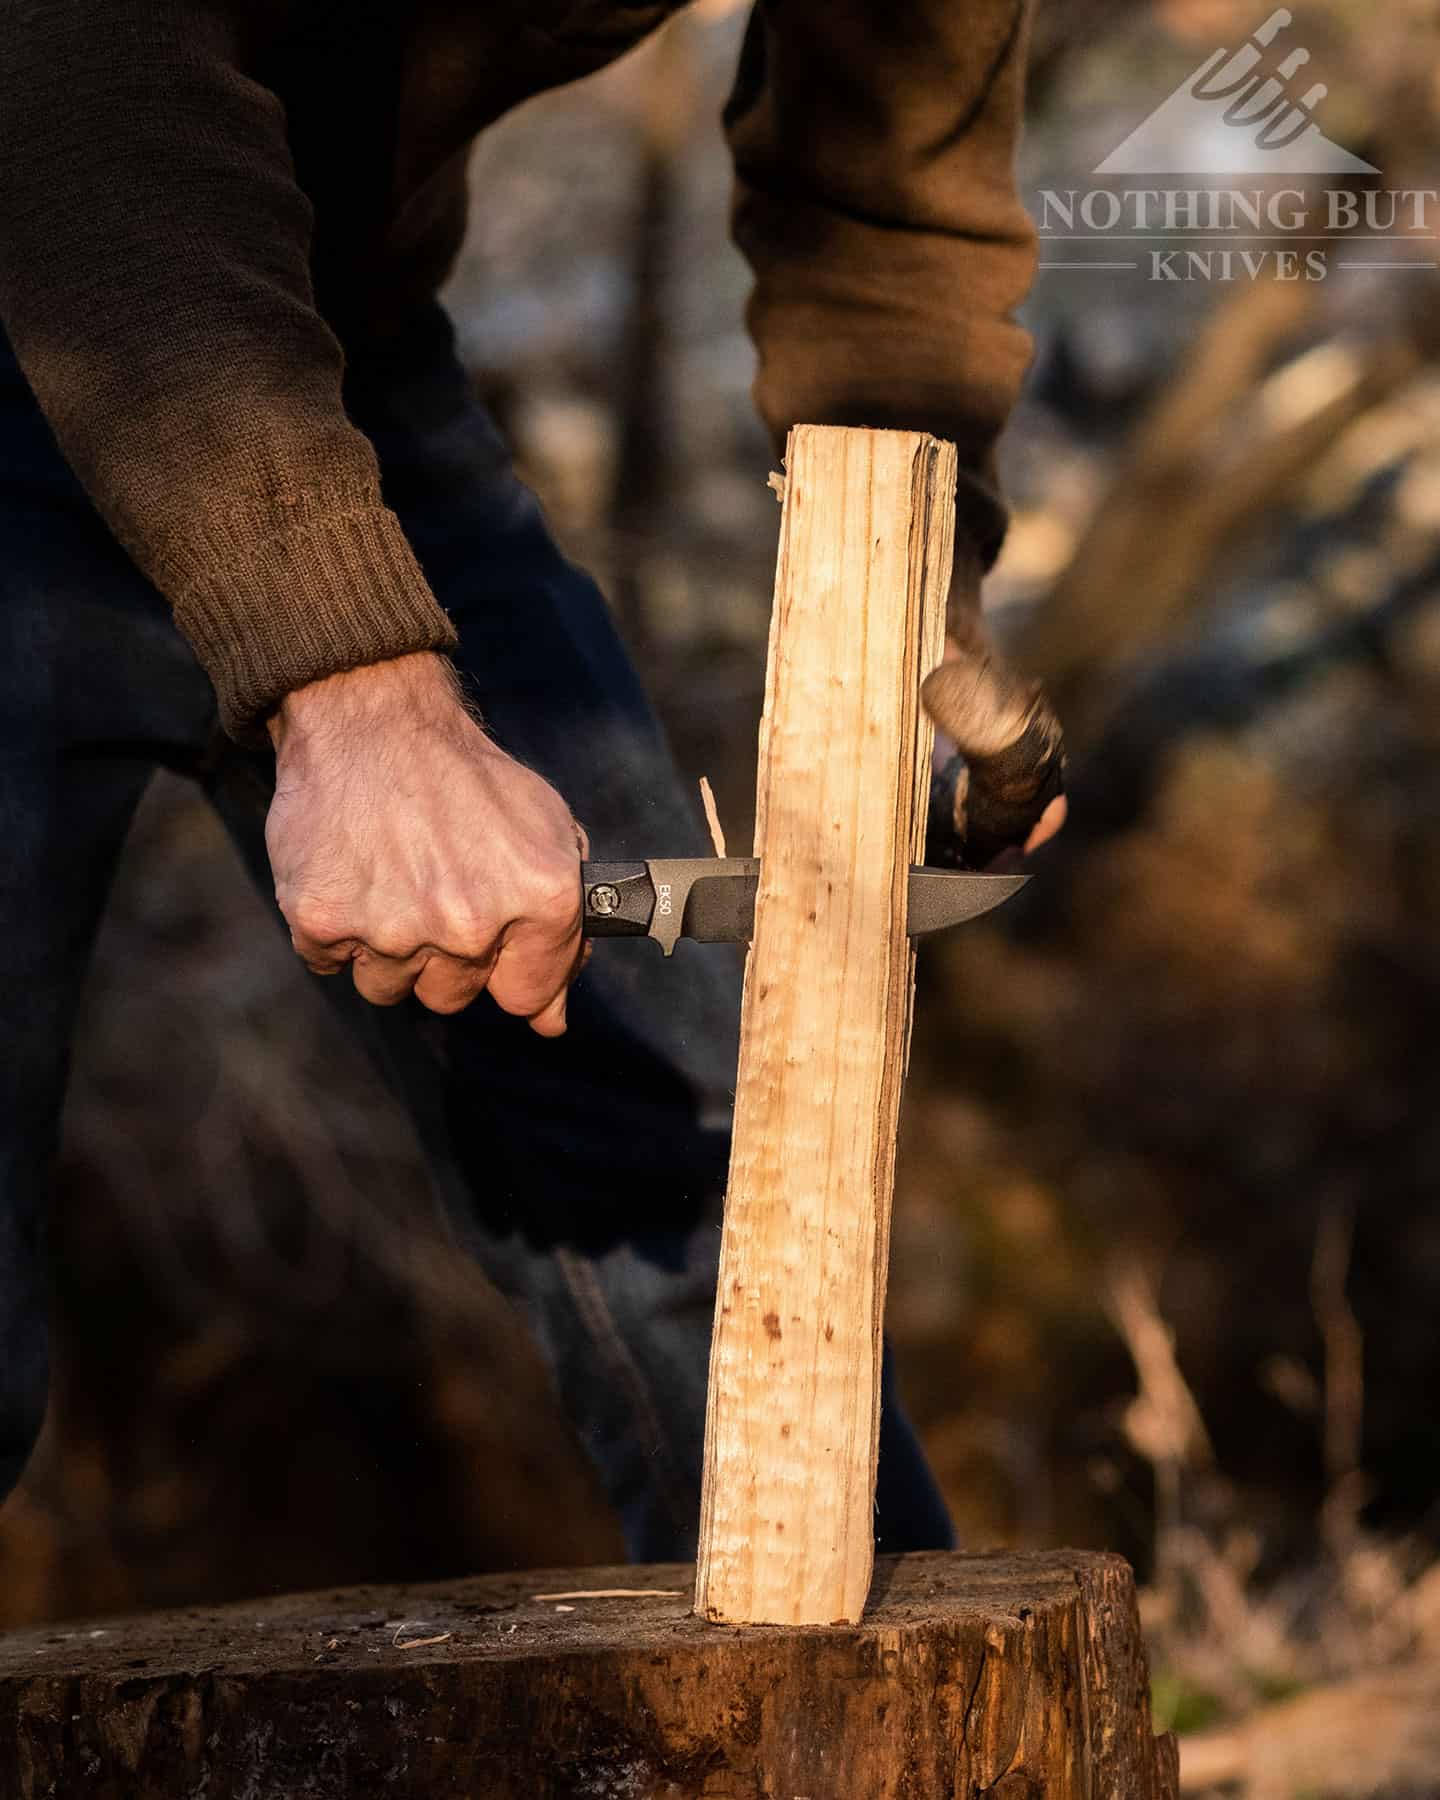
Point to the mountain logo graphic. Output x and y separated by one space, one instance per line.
1238 114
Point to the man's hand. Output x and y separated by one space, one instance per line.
1009 798
407 845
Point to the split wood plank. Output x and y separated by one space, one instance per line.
866 539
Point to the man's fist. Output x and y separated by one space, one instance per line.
408 846
1009 795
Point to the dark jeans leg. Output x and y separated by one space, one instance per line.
95 687
43 962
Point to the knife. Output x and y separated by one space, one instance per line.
711 899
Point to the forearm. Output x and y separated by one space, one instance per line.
874 148
154 280
419 689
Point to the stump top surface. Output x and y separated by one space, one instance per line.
498 1618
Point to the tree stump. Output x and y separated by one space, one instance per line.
1016 1677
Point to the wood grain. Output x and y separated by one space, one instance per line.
866 539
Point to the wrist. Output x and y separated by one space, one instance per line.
414 688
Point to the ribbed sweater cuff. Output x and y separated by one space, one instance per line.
331 594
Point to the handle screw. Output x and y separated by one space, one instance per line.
603 899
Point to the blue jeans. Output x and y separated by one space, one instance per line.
585 1174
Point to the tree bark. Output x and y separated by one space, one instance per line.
1009 1676
787 1519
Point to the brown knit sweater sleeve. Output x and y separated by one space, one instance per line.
155 284
874 145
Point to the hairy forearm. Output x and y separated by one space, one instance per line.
421 687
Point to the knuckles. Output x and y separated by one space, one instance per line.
553 895
545 894
463 932
545 898
315 921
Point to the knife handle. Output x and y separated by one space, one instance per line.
617 899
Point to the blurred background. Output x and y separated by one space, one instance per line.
1166 1269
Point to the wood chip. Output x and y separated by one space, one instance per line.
400 1643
